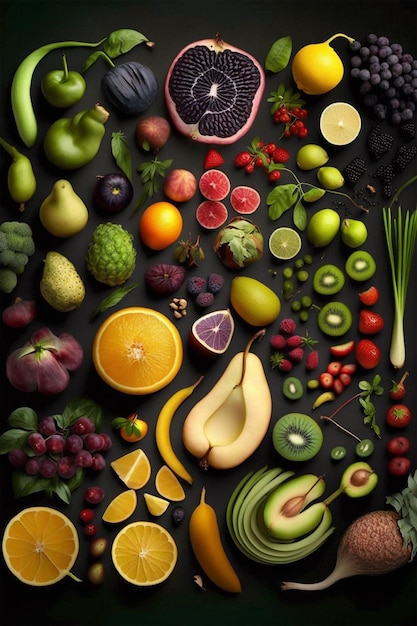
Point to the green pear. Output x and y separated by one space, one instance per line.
61 285
353 232
287 514
323 227
310 156
228 424
330 177
63 213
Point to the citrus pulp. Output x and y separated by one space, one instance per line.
340 123
284 243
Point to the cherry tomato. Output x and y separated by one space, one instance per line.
398 416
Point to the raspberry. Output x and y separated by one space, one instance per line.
283 364
312 360
403 157
379 143
354 170
287 326
280 155
195 285
296 355
204 299
294 342
278 342
215 283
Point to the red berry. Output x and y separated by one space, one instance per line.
280 155
212 159
274 176
269 148
259 162
87 515
90 530
287 133
278 342
293 130
345 379
312 360
303 113
338 386
370 296
296 111
285 118
299 124
242 159
296 355
249 168
326 380
303 132
334 368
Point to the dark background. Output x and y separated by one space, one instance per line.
252 25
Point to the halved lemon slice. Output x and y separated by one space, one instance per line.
340 123
284 243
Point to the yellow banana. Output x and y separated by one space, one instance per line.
208 548
162 431
326 396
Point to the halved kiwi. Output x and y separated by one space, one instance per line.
292 388
328 279
334 319
297 437
360 265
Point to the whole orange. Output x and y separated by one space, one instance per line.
160 225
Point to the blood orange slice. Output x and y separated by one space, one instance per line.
211 214
212 333
244 199
214 185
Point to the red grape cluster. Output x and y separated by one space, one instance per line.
264 156
50 451
293 120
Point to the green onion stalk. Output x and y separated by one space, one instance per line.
401 236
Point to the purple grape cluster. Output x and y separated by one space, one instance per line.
387 78
50 451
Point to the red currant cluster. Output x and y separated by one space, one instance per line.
292 118
263 156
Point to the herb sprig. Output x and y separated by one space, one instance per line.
150 174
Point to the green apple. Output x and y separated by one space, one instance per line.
311 155
323 227
330 177
353 232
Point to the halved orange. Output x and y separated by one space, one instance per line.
137 350
40 545
168 486
133 468
121 507
144 553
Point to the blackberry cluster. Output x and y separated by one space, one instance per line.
354 170
379 143
403 157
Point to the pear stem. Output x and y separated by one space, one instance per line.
350 39
334 495
260 333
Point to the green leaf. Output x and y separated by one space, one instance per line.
13 438
114 298
82 408
25 485
121 153
279 55
280 199
300 216
23 417
121 41
313 194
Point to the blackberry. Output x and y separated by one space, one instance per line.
195 285
387 191
354 170
408 130
385 173
403 157
379 143
204 299
215 283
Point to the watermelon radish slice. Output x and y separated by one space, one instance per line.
214 185
212 333
244 199
211 214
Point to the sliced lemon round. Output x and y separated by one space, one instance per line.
284 243
340 123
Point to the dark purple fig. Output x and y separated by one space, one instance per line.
113 192
164 279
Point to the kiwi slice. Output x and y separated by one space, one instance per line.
334 319
360 265
292 388
328 279
297 437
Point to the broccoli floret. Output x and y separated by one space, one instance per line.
19 262
9 227
23 229
3 241
17 243
7 257
28 246
8 280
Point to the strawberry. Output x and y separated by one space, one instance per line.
367 354
280 155
312 360
397 391
342 349
370 322
212 159
370 296
283 364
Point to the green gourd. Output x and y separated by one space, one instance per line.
21 180
71 143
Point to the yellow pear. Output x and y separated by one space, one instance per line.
63 213
228 424
61 285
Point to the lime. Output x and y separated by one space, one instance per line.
340 123
284 243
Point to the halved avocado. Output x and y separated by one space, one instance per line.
358 480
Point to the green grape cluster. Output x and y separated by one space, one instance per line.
16 247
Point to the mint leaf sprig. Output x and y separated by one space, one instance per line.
150 174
